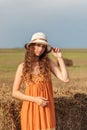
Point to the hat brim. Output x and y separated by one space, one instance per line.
49 47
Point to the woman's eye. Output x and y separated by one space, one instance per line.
40 45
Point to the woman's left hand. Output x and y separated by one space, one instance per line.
57 52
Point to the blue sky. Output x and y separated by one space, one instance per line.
63 21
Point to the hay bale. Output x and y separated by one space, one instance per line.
9 110
71 113
68 62
10 116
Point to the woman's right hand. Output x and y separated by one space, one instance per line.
41 101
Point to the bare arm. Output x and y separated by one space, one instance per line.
19 95
59 72
17 84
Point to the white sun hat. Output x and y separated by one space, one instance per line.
39 38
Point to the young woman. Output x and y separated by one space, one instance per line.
37 111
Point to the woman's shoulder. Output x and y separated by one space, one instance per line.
20 66
19 70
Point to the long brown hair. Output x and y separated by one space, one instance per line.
30 59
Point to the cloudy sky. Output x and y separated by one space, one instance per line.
63 21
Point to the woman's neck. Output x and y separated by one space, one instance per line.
36 59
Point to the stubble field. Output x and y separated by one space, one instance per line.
11 58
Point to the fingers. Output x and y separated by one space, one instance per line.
56 50
44 98
43 101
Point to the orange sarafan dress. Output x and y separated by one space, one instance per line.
34 116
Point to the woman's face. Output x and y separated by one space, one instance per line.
39 49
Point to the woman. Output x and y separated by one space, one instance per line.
37 111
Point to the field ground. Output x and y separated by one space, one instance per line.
10 58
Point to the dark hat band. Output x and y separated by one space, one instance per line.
39 39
